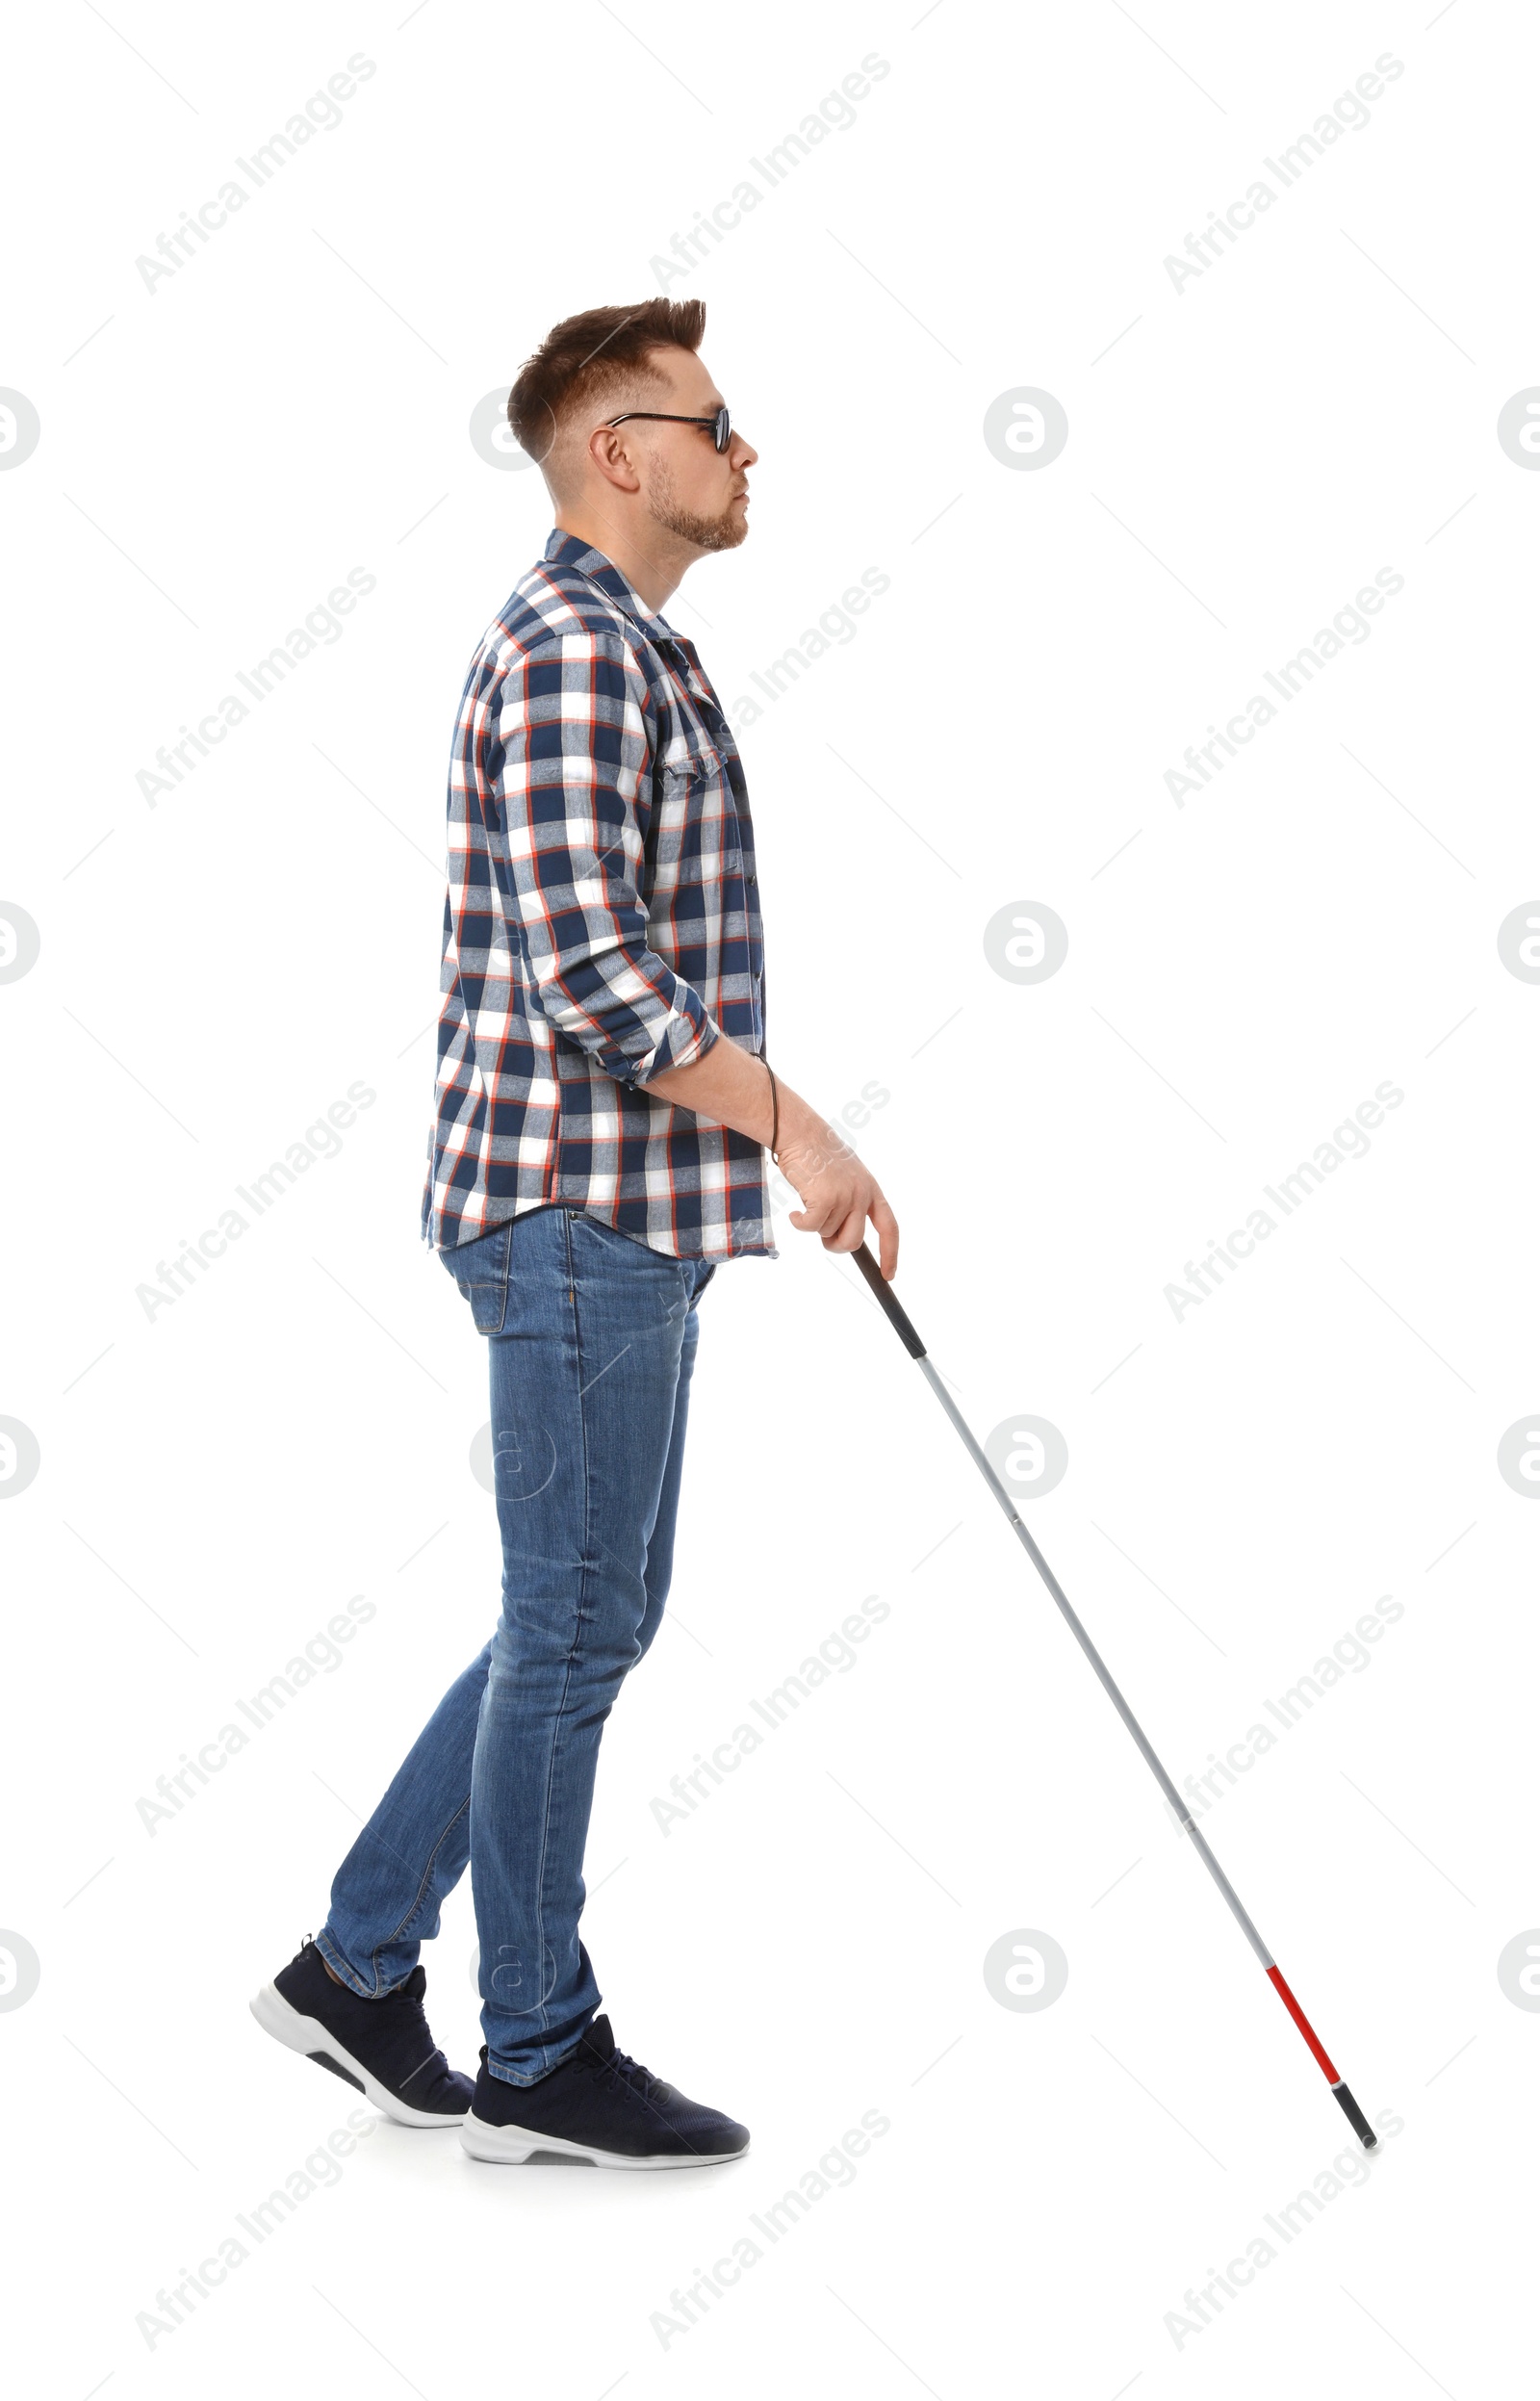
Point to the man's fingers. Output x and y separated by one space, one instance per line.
848 1234
816 1220
886 1228
838 1214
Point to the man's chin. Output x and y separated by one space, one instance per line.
707 533
723 533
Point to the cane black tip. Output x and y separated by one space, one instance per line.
1356 2118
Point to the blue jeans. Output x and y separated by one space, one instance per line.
592 1338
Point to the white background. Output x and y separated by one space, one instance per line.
1244 1480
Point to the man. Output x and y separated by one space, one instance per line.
604 1105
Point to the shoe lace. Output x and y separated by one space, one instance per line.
621 2067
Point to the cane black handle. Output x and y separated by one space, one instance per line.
883 1293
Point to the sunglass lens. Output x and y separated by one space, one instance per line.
723 428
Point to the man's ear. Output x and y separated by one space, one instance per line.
612 455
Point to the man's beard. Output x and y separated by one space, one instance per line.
704 533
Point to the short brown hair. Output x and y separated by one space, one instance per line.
586 361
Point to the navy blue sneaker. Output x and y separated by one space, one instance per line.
596 2103
383 2048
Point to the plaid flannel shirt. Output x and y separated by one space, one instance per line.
600 925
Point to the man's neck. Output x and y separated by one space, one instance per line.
653 566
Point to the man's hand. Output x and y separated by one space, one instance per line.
838 1194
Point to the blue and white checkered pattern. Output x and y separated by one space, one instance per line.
600 925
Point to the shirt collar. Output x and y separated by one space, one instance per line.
569 550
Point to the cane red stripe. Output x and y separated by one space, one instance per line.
1275 1978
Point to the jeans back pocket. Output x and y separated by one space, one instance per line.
480 1269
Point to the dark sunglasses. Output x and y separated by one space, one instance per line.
721 424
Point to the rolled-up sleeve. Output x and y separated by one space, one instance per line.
567 777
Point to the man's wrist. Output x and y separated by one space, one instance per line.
806 1138
798 1122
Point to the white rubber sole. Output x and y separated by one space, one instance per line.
279 2018
511 2146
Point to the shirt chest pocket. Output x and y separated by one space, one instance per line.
695 837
